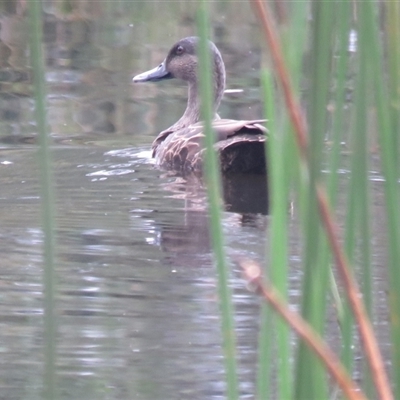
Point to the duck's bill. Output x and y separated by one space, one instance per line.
154 75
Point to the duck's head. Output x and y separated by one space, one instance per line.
182 63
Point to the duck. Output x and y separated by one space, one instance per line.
240 143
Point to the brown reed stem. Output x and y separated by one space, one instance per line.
252 272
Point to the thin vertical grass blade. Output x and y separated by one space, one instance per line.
212 175
277 254
285 168
267 328
388 139
278 250
339 127
342 27
47 198
358 217
393 55
361 157
310 378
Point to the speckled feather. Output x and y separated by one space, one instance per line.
240 145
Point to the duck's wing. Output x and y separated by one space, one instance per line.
228 128
241 145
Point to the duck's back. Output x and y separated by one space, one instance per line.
240 145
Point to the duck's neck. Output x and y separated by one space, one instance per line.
192 113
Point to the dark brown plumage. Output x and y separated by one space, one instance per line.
240 144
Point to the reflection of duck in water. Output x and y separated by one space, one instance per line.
240 143
184 237
241 193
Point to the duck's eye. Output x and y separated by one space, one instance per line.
179 50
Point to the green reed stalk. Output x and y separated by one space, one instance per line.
388 140
310 378
284 158
47 198
347 321
213 180
272 327
293 44
358 216
393 55
342 27
278 175
265 352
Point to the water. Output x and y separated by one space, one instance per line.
137 298
137 312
